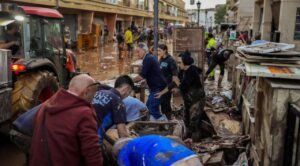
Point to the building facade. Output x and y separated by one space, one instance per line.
241 12
278 20
206 17
80 15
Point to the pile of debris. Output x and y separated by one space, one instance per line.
226 143
273 60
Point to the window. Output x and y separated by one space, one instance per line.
141 4
52 35
297 25
32 37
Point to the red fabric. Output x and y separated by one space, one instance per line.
71 128
45 12
70 62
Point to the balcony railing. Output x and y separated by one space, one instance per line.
177 3
163 9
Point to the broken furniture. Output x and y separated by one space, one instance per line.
273 119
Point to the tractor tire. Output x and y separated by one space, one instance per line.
32 89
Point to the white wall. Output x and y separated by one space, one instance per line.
246 8
151 5
287 22
204 4
210 18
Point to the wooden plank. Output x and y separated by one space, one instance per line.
216 159
254 155
204 159
247 104
223 124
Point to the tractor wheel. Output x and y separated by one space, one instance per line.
32 89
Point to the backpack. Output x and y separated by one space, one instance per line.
22 129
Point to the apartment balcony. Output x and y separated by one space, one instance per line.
178 3
106 6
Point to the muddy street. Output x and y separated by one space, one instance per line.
10 155
103 63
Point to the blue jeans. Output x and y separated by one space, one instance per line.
153 105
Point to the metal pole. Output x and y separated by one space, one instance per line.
198 16
206 19
155 26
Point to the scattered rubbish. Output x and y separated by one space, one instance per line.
223 124
227 94
272 60
241 67
242 160
267 47
210 145
217 99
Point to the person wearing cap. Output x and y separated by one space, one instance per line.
151 73
192 91
219 59
153 150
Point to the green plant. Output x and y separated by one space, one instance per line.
220 13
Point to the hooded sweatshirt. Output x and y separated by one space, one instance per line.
190 80
69 134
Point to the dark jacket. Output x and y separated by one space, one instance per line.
151 72
189 80
70 128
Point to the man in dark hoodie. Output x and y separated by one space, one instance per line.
192 91
65 128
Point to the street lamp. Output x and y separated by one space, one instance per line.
198 6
